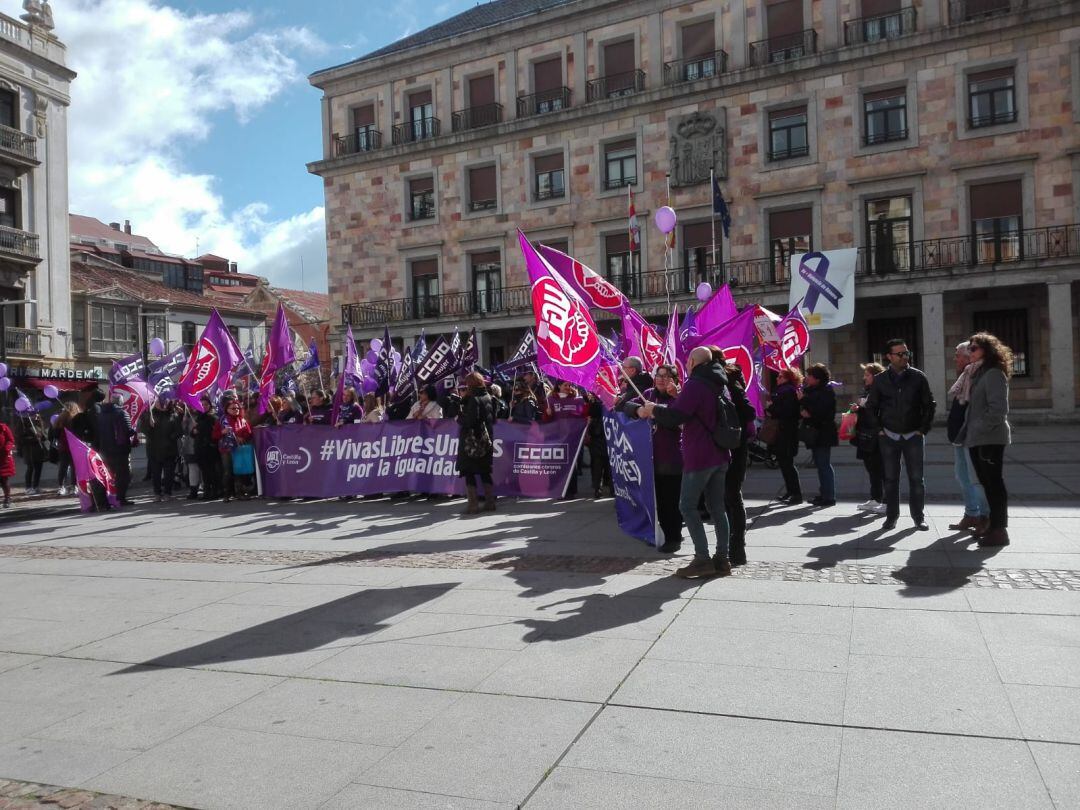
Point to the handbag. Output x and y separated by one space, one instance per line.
770 431
243 460
477 443
847 426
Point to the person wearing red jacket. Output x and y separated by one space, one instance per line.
231 432
7 461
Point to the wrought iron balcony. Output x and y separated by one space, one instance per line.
19 342
616 85
485 115
695 67
962 11
419 130
993 120
789 153
888 136
363 140
990 250
612 183
876 29
18 146
20 246
553 193
547 101
483 205
783 48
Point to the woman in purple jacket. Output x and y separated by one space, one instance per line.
704 462
667 459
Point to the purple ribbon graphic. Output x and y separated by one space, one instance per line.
818 286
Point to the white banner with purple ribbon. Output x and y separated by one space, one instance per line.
823 287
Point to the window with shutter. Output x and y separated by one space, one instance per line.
487 281
888 231
421 198
784 23
697 242
991 98
620 164
997 221
790 234
549 177
885 116
788 134
483 190
623 266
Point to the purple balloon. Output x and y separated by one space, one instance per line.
22 405
704 291
665 218
44 405
5 383
51 391
375 344
54 419
368 386
3 369
371 357
157 346
366 366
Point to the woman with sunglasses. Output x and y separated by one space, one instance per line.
986 430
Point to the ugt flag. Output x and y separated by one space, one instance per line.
793 342
589 286
823 287
279 353
210 364
90 468
567 345
736 338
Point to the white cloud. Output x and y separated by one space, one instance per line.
151 77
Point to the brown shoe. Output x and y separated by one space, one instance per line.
722 566
982 526
472 506
994 538
966 522
698 569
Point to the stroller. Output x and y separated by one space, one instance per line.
760 453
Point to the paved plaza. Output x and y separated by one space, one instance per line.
392 654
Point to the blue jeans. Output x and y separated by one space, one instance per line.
825 475
975 503
912 452
711 482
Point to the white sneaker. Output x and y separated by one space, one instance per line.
31 491
868 506
62 492
880 509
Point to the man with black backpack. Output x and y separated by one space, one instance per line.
711 430
114 439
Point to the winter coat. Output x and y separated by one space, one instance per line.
477 412
866 431
162 436
84 425
987 418
595 438
7 452
784 408
238 426
666 449
350 414
695 409
524 411
430 411
114 432
205 444
902 403
820 402
319 415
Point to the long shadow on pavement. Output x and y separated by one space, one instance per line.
352 616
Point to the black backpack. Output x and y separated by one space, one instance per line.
727 434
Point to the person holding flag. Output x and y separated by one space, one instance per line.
279 354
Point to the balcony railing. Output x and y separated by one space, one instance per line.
20 244
874 138
789 153
542 103
616 85
483 205
1004 117
363 140
612 183
962 11
876 29
18 143
783 48
695 67
485 115
884 259
419 130
22 342
553 193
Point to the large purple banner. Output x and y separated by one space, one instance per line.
629 443
313 461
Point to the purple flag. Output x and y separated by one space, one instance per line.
312 361
90 467
351 374
279 353
717 311
164 371
640 339
567 344
384 365
736 338
132 367
210 365
589 285
470 354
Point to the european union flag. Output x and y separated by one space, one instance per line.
719 206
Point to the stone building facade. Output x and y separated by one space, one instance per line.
35 295
940 138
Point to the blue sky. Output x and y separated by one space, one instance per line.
195 119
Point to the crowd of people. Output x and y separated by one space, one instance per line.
697 477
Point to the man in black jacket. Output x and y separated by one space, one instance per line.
114 437
902 404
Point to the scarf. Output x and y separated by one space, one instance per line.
961 389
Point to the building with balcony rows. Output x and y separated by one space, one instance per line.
938 137
35 300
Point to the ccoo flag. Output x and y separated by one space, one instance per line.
210 364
